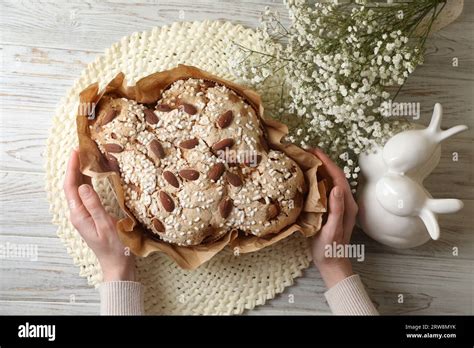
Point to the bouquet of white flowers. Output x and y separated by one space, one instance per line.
337 62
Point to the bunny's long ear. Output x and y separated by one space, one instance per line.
436 118
450 132
431 223
435 125
444 205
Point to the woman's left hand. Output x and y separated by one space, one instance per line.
339 225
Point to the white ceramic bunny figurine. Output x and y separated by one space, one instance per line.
394 207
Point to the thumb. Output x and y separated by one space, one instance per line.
336 212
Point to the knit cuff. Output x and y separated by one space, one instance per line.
348 297
121 298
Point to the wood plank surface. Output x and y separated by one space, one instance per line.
44 46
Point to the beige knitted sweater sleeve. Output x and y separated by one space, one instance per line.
121 298
348 297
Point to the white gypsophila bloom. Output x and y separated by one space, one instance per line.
336 67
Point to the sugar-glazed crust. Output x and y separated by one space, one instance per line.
196 165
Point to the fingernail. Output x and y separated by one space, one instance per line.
337 192
84 190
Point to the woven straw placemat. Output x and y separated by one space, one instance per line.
228 283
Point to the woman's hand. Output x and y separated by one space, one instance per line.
339 225
95 225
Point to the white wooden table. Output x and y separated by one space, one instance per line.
44 47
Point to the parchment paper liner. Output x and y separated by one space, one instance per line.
132 233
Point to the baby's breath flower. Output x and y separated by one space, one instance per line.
336 65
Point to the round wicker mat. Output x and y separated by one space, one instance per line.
227 284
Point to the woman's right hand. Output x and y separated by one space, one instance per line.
95 225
